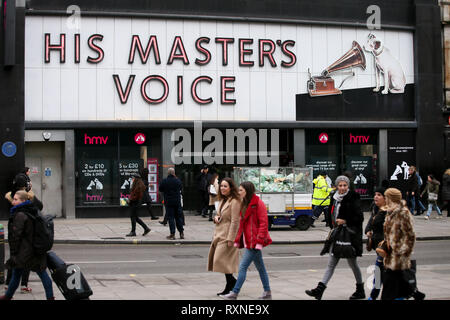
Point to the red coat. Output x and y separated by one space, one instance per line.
254 226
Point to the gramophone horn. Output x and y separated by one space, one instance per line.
352 58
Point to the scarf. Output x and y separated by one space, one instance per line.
338 197
13 209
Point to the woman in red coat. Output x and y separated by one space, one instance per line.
253 235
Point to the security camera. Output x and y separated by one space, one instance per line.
46 135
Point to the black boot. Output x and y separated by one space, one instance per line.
317 292
228 287
417 295
359 293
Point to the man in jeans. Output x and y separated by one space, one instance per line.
22 254
171 187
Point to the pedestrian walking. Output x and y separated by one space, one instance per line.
213 190
321 199
171 187
375 234
399 243
346 211
412 190
135 201
147 199
22 182
202 186
20 240
252 235
432 189
223 257
419 204
446 191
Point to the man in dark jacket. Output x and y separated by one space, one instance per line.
20 239
171 187
202 185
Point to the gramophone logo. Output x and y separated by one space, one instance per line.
394 78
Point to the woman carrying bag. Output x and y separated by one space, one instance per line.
432 189
398 246
375 234
345 214
223 257
135 201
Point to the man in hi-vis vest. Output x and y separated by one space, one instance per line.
321 199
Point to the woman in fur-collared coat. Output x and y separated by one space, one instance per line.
400 238
223 257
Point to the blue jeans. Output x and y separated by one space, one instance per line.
175 218
255 256
430 208
378 277
15 280
411 203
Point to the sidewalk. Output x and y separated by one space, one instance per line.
199 230
434 280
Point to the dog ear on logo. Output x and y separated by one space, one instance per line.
377 44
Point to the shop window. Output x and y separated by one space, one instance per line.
354 152
107 160
95 178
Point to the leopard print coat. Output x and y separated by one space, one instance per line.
400 237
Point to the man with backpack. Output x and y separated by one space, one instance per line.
28 246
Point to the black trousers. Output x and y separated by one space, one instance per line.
135 218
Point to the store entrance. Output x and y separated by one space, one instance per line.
45 163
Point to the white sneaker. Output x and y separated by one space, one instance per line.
229 296
427 217
267 295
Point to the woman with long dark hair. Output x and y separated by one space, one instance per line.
253 235
135 201
223 256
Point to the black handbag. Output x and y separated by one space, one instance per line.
409 276
328 242
342 245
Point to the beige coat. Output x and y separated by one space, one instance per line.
212 198
223 258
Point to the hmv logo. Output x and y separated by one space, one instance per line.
95 140
359 139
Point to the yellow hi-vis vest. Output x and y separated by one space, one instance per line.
321 192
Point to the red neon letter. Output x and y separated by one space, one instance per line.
123 96
194 90
99 50
243 52
225 42
165 86
136 44
178 46
61 47
224 89
263 52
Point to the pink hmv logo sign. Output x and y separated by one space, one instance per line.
323 137
139 138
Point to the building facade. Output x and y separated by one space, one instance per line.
98 91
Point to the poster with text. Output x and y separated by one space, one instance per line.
401 155
327 164
95 181
361 168
127 169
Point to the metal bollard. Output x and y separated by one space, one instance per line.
2 254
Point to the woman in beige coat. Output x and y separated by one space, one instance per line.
223 256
